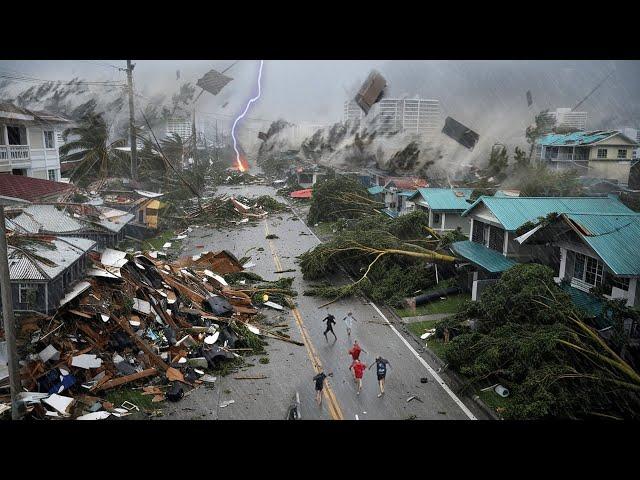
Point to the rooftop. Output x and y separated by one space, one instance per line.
445 198
513 212
24 263
579 138
615 238
482 256
30 189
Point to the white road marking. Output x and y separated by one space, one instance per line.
433 373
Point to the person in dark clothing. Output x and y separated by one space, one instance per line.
381 370
319 381
331 321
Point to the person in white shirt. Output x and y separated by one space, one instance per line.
348 322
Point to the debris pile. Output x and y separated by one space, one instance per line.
159 328
229 210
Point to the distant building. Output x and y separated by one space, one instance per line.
596 154
407 115
352 112
445 207
29 142
179 125
565 118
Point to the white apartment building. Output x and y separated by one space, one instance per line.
352 112
408 115
179 125
29 142
564 117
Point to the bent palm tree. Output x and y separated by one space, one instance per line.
97 156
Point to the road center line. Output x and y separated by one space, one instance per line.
332 403
433 373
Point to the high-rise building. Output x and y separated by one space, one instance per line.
180 125
352 112
416 115
565 118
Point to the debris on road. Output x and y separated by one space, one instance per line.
414 397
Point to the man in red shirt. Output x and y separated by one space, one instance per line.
358 371
355 351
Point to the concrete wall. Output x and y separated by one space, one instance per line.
455 220
610 169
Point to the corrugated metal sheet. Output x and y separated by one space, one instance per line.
445 198
482 256
47 218
375 190
575 138
512 212
615 238
66 251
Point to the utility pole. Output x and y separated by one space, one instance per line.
9 321
132 133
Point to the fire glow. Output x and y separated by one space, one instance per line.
242 167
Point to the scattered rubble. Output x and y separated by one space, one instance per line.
150 323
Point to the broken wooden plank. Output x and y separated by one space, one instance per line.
124 324
116 382
256 377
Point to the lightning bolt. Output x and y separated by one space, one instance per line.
246 109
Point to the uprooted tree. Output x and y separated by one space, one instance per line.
340 197
392 257
532 339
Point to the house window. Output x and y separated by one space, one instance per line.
52 175
16 135
436 219
588 269
496 239
48 139
602 153
622 153
141 215
27 293
621 283
477 235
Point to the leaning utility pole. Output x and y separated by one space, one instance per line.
9 322
132 133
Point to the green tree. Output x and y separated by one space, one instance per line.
535 131
520 158
498 162
99 157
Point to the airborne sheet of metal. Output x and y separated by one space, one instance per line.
529 98
460 133
213 82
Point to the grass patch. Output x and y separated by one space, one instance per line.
434 344
493 400
158 241
450 304
143 402
264 360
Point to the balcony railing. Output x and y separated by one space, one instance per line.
16 153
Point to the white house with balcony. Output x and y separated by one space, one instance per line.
29 142
596 154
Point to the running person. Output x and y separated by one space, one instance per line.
319 381
331 321
348 322
381 370
358 371
355 351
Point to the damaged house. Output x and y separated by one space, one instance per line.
143 205
597 251
43 269
496 222
103 225
445 207
396 193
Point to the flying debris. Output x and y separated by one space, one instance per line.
224 104
371 91
460 133
529 98
177 74
263 136
213 82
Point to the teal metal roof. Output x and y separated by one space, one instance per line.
482 256
407 193
445 198
512 212
586 302
615 238
375 190
576 138
391 213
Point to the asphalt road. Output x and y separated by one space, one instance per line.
291 367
